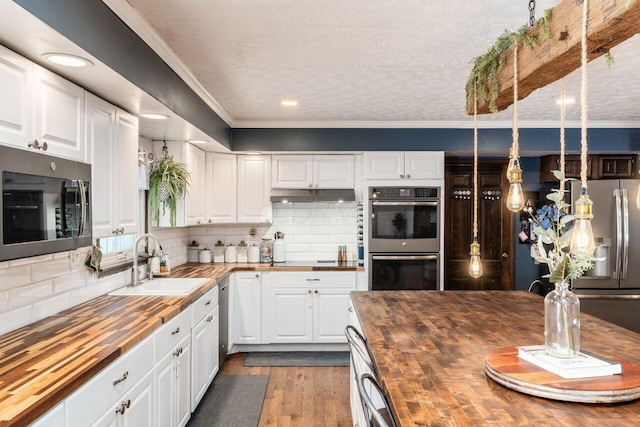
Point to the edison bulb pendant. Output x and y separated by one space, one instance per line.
582 241
515 198
475 264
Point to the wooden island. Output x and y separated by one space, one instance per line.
429 350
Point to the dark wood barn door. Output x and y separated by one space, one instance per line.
494 225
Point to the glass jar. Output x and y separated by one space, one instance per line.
218 252
562 322
254 253
242 251
231 253
265 250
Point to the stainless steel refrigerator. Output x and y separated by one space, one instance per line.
611 290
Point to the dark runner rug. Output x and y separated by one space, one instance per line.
298 358
232 400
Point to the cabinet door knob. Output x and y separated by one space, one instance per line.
401 176
309 290
315 292
209 221
257 276
505 255
350 309
310 185
408 176
44 146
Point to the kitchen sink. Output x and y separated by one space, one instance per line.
163 286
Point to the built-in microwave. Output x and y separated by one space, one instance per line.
46 204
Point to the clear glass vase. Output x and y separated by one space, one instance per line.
562 322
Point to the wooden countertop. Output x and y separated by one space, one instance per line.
429 348
44 362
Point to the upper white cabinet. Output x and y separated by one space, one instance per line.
313 171
195 197
112 144
40 109
254 189
220 188
16 108
403 165
190 208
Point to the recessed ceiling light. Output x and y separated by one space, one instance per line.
289 103
197 141
567 101
253 153
67 60
154 116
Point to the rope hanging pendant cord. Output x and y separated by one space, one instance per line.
515 102
562 123
583 98
475 160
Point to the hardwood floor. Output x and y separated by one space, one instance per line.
299 396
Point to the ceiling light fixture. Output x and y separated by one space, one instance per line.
475 263
289 103
197 141
154 116
67 60
253 153
515 198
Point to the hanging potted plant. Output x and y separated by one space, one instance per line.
168 182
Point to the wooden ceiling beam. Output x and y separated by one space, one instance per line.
610 23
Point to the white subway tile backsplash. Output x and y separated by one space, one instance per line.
14 277
328 229
84 294
50 269
24 295
29 260
4 301
111 283
51 306
69 281
14 319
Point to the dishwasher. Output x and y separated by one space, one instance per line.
223 301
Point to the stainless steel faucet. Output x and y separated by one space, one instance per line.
134 273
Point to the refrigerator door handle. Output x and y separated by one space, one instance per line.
625 217
616 195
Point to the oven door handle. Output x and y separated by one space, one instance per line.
403 257
404 203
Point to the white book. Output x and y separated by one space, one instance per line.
585 365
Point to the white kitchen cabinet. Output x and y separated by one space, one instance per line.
173 371
190 207
40 106
205 328
16 108
53 418
135 408
112 141
313 171
121 381
309 307
395 165
221 188
246 308
291 315
194 198
59 115
254 189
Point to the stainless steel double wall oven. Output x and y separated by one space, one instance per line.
404 238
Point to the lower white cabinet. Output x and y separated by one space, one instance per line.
173 371
309 307
205 321
135 409
246 308
53 418
126 381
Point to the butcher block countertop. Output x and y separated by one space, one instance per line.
429 349
44 362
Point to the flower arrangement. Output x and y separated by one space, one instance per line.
552 226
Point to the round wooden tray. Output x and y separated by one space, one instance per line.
505 367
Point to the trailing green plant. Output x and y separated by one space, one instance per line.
487 67
168 181
610 59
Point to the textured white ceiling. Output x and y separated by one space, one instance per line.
355 61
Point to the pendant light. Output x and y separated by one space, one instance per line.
515 197
582 241
475 264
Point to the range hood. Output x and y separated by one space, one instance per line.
328 195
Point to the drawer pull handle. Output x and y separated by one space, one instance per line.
208 302
313 280
176 331
119 380
210 319
350 309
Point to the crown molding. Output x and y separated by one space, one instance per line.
132 18
482 124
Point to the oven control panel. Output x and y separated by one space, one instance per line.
395 193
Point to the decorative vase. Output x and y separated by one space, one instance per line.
562 322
